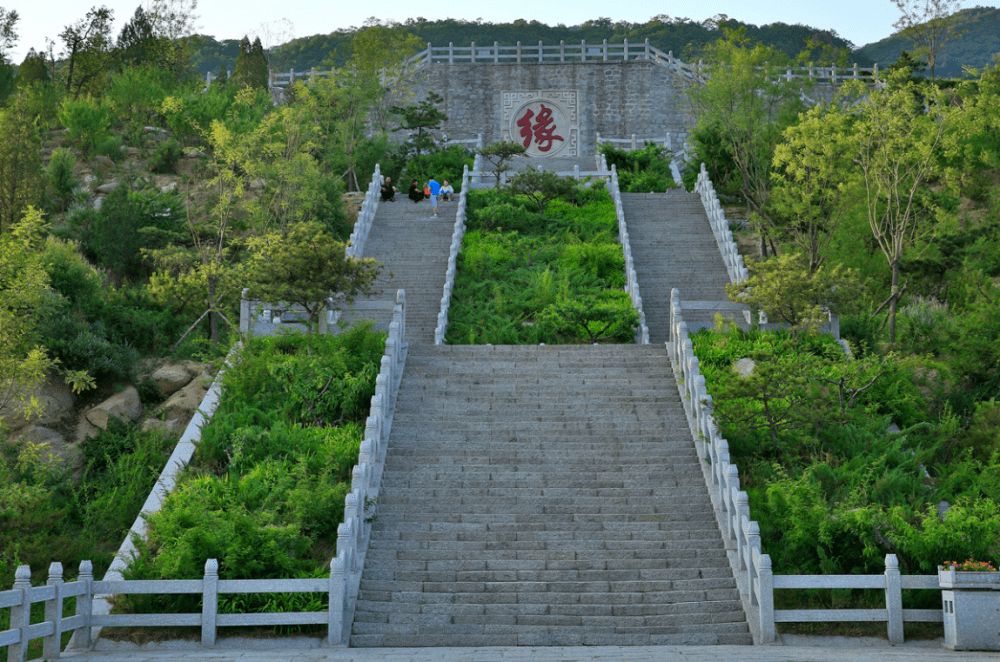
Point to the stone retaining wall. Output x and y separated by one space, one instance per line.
614 98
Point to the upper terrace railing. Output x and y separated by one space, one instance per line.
583 52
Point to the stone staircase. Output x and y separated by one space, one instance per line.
414 248
543 496
673 246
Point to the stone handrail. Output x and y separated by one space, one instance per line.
456 246
345 568
720 228
631 279
478 176
356 246
477 163
751 566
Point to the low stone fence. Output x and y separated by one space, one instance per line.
93 597
356 247
751 566
456 245
631 279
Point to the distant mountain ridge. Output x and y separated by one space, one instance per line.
685 37
976 48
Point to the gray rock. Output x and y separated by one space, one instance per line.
55 398
63 453
191 153
171 378
169 188
171 427
744 367
125 406
103 161
182 404
943 507
108 188
98 202
132 151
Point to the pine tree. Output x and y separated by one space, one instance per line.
33 69
241 71
251 65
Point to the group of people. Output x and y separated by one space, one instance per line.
432 189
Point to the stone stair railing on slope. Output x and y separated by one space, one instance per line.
93 608
456 246
720 228
751 566
631 279
366 216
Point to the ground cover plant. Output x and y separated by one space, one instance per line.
265 491
537 268
845 461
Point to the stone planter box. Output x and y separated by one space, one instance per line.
971 602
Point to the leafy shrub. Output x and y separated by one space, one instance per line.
441 164
110 146
61 177
165 157
640 170
88 122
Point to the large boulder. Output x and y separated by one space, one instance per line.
55 398
125 406
65 454
172 377
183 404
172 427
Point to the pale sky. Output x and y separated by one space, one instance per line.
861 21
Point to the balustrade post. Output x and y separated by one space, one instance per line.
562 50
519 52
20 615
583 50
84 602
605 49
647 49
765 598
893 599
539 50
625 50
496 59
209 602
451 52
335 624
54 613
752 534
344 538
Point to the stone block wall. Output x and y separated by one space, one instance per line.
617 99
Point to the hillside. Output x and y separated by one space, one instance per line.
976 48
685 37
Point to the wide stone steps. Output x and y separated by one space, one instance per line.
673 247
543 496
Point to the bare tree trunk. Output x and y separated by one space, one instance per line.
213 318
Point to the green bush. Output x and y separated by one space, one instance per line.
165 157
111 147
61 178
441 164
88 123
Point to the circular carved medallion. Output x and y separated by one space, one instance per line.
542 126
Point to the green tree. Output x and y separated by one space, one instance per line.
306 265
789 293
87 50
250 69
896 136
21 177
745 96
8 37
137 42
423 118
542 187
499 154
811 169
929 23
33 69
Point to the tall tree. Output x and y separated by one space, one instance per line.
21 179
137 42
929 23
897 138
87 49
8 37
251 65
744 96
34 69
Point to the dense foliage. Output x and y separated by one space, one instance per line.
532 272
265 491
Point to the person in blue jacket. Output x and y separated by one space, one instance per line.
435 192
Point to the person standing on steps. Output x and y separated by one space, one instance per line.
435 192
415 193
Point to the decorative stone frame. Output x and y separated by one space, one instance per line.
565 106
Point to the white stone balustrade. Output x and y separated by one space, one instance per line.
456 245
720 228
751 566
631 279
356 246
